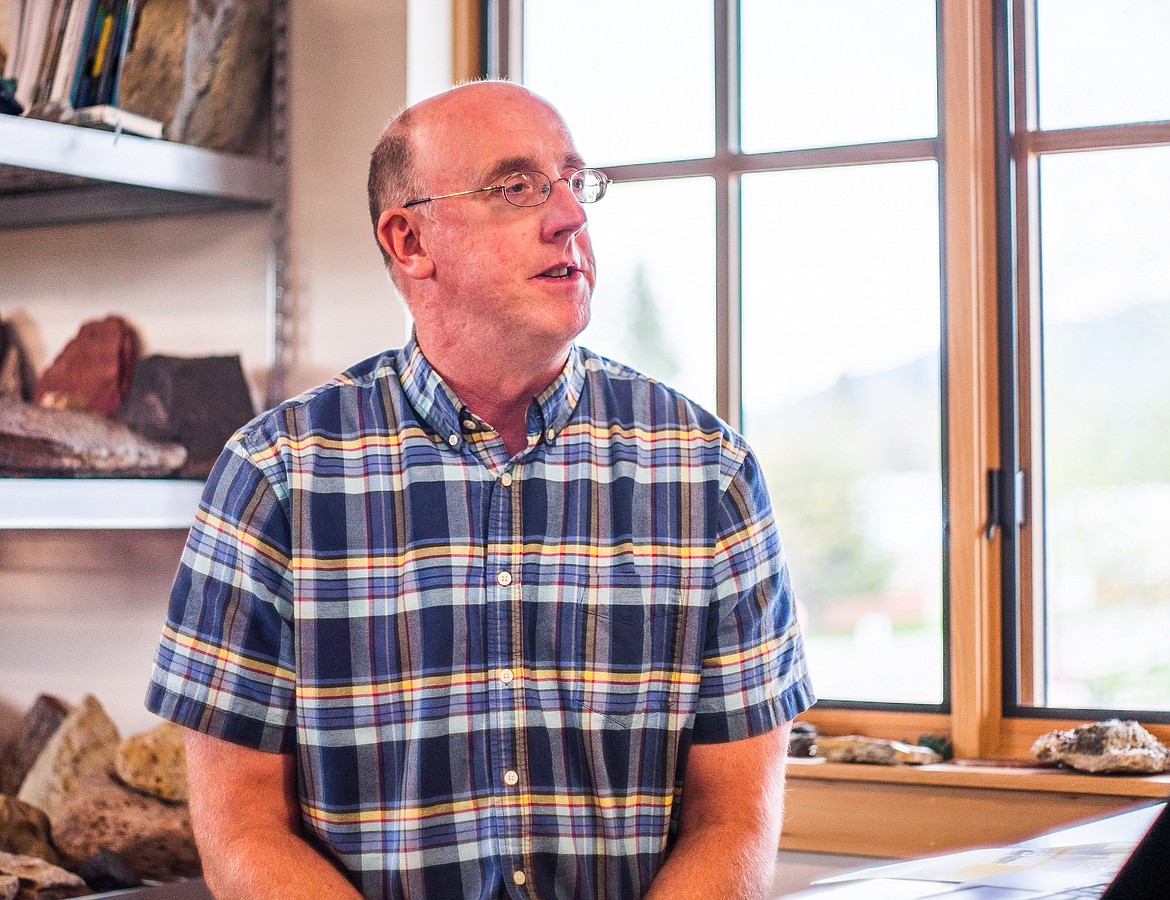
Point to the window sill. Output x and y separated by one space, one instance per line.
902 811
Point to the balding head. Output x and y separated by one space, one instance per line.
433 128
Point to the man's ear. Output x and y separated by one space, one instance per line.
400 238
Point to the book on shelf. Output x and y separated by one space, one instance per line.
112 118
68 53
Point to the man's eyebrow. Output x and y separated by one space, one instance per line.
513 164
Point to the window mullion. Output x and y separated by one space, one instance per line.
969 223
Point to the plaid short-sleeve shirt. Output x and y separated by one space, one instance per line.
489 669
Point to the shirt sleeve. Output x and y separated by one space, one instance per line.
225 664
754 675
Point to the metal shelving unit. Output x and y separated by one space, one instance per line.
53 174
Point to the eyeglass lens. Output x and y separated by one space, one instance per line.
533 188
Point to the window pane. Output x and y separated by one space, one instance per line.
1102 63
824 73
1105 218
654 307
841 397
633 80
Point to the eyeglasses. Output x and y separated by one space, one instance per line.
533 188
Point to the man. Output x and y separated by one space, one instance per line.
489 616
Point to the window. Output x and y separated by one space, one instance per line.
1090 163
831 223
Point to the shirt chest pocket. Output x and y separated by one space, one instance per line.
622 651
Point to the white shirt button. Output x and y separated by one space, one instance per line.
550 434
506 479
504 578
511 779
506 675
453 440
519 877
469 424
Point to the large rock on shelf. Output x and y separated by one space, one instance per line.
39 880
84 744
875 751
154 762
201 67
198 402
24 829
38 441
1111 746
153 837
43 718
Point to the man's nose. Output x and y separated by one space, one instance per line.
564 213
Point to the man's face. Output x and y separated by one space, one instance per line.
502 273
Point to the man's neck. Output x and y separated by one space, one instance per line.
498 388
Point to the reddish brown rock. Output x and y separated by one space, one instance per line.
153 837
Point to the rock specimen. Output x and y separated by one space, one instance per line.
877 751
802 741
43 718
39 880
154 762
107 871
24 829
1110 746
17 379
153 837
198 402
84 744
94 371
201 67
37 441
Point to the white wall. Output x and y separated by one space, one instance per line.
81 611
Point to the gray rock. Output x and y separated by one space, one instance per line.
225 72
24 829
84 743
41 881
36 729
153 837
154 762
1110 746
875 751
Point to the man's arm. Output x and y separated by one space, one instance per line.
247 826
729 825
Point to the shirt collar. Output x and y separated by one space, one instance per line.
438 406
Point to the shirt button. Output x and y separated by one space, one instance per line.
504 578
506 675
511 778
519 877
469 424
453 440
550 434
506 479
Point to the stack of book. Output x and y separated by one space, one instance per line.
66 58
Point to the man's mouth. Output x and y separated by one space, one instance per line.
558 272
